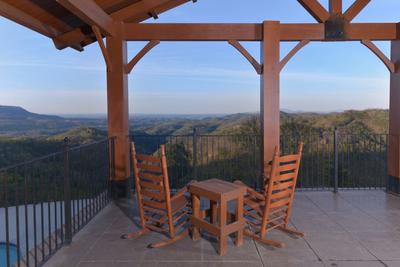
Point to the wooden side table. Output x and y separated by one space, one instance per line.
219 193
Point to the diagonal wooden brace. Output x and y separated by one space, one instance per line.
293 52
257 66
374 49
103 48
150 45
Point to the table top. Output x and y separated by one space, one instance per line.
216 189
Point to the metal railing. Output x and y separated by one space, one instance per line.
45 201
331 160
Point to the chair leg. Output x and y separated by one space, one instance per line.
169 241
291 231
268 242
135 234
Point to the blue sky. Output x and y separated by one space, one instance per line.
193 78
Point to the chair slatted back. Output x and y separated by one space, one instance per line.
153 191
280 190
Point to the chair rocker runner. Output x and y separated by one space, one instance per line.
159 210
272 208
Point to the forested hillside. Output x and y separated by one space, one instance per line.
25 135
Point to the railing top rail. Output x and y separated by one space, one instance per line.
48 156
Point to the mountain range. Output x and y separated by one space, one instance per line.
16 122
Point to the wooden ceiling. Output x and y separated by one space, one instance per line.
52 19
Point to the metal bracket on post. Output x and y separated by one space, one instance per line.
67 194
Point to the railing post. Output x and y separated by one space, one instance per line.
194 153
67 195
336 160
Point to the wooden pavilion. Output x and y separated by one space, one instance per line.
78 23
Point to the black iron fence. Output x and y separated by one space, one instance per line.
45 201
330 161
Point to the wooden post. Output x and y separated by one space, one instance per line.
270 82
118 110
393 184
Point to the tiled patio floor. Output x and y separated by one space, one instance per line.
353 228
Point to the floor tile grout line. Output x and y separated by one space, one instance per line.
354 238
98 238
258 252
365 212
305 240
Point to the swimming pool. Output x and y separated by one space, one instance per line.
3 254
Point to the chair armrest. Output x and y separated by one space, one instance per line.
182 191
251 191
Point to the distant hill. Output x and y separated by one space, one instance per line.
17 121
18 113
81 135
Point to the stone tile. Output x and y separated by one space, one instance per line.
340 230
356 221
184 250
330 202
111 247
209 264
296 248
354 264
315 223
294 263
246 252
95 263
392 263
337 246
384 245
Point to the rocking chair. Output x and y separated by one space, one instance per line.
272 208
159 210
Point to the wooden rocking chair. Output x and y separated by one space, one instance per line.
159 210
272 208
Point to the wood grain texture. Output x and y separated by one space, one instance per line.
355 9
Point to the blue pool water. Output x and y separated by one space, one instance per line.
3 254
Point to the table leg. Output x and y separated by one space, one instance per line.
196 214
222 242
239 217
214 212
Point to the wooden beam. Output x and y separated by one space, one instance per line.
252 32
135 13
315 9
140 55
192 32
103 48
293 52
371 31
118 106
139 9
374 49
71 39
335 7
270 90
90 13
14 14
355 9
257 66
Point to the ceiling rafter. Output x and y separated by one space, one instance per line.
315 9
133 13
90 13
355 9
335 6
